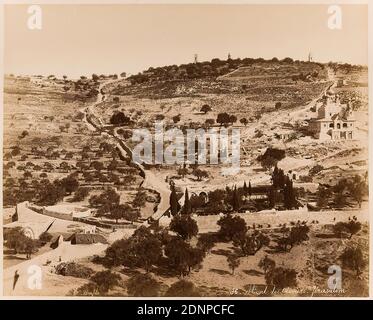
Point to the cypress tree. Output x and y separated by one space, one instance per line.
281 179
285 193
187 207
275 177
292 200
289 197
271 197
174 204
236 200
250 190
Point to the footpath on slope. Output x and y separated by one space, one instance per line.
151 180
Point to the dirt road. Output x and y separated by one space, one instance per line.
151 180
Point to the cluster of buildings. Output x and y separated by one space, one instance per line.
335 121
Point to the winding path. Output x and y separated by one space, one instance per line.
151 180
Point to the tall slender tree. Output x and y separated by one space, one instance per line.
281 178
187 207
235 200
272 197
245 188
286 194
275 176
174 203
289 194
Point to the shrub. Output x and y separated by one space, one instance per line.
73 269
267 264
244 121
206 108
184 225
352 227
295 235
176 118
322 196
206 241
271 157
15 239
107 200
182 288
250 244
143 285
315 170
353 258
80 194
182 257
200 174
233 262
231 226
210 122
119 118
159 117
45 237
142 249
106 280
281 278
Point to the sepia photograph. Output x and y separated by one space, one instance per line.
178 150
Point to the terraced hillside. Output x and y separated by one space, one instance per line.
50 152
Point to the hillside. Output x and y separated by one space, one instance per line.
290 82
246 87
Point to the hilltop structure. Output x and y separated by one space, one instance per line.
334 121
310 58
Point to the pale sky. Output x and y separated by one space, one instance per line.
84 39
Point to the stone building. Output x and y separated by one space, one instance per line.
334 121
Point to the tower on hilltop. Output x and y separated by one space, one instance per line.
310 59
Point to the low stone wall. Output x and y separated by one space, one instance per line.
59 215
106 225
209 223
36 209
